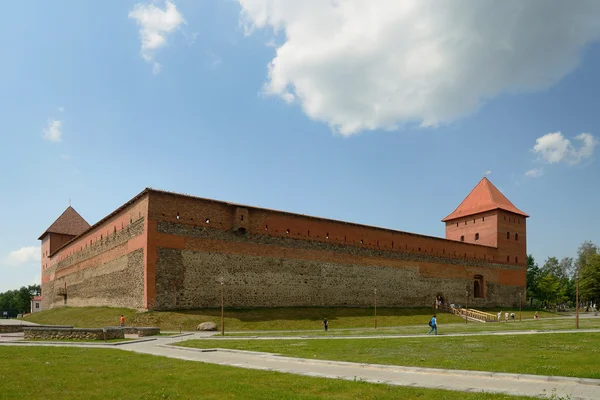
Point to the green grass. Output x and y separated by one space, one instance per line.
539 354
246 319
461 327
74 374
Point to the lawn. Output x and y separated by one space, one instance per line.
74 374
461 327
554 354
247 319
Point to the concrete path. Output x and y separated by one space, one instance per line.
11 321
468 381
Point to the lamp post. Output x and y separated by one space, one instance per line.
375 303
519 306
466 306
577 301
222 281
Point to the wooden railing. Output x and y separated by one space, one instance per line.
469 313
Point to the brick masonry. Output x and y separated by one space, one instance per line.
104 274
262 275
166 251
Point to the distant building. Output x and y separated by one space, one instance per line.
165 251
36 304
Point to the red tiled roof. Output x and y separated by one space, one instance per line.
484 197
69 223
37 298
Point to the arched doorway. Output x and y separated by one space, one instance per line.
478 286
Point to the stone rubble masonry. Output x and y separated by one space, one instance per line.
45 333
117 276
165 251
142 331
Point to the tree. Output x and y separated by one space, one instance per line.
567 266
585 250
18 301
548 288
589 284
533 274
554 267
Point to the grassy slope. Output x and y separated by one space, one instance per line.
250 319
74 374
550 354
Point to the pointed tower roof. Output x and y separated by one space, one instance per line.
69 223
484 197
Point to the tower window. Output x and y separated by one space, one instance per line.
482 219
508 235
507 258
465 222
477 236
462 238
457 224
516 236
287 230
517 260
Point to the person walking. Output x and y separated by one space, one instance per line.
325 324
433 324
122 320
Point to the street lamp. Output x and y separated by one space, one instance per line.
222 281
577 300
375 302
519 306
466 306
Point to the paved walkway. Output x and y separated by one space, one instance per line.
468 381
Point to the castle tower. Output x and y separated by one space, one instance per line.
486 217
65 228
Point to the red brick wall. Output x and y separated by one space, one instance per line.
194 211
102 231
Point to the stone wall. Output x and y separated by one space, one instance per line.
46 333
142 331
117 282
188 279
104 274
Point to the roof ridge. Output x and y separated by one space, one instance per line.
70 222
482 198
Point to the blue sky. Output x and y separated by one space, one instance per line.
364 116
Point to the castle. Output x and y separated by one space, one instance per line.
166 251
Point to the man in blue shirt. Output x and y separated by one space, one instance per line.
433 324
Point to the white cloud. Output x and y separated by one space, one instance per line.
155 25
534 173
362 64
555 148
53 131
22 256
61 109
